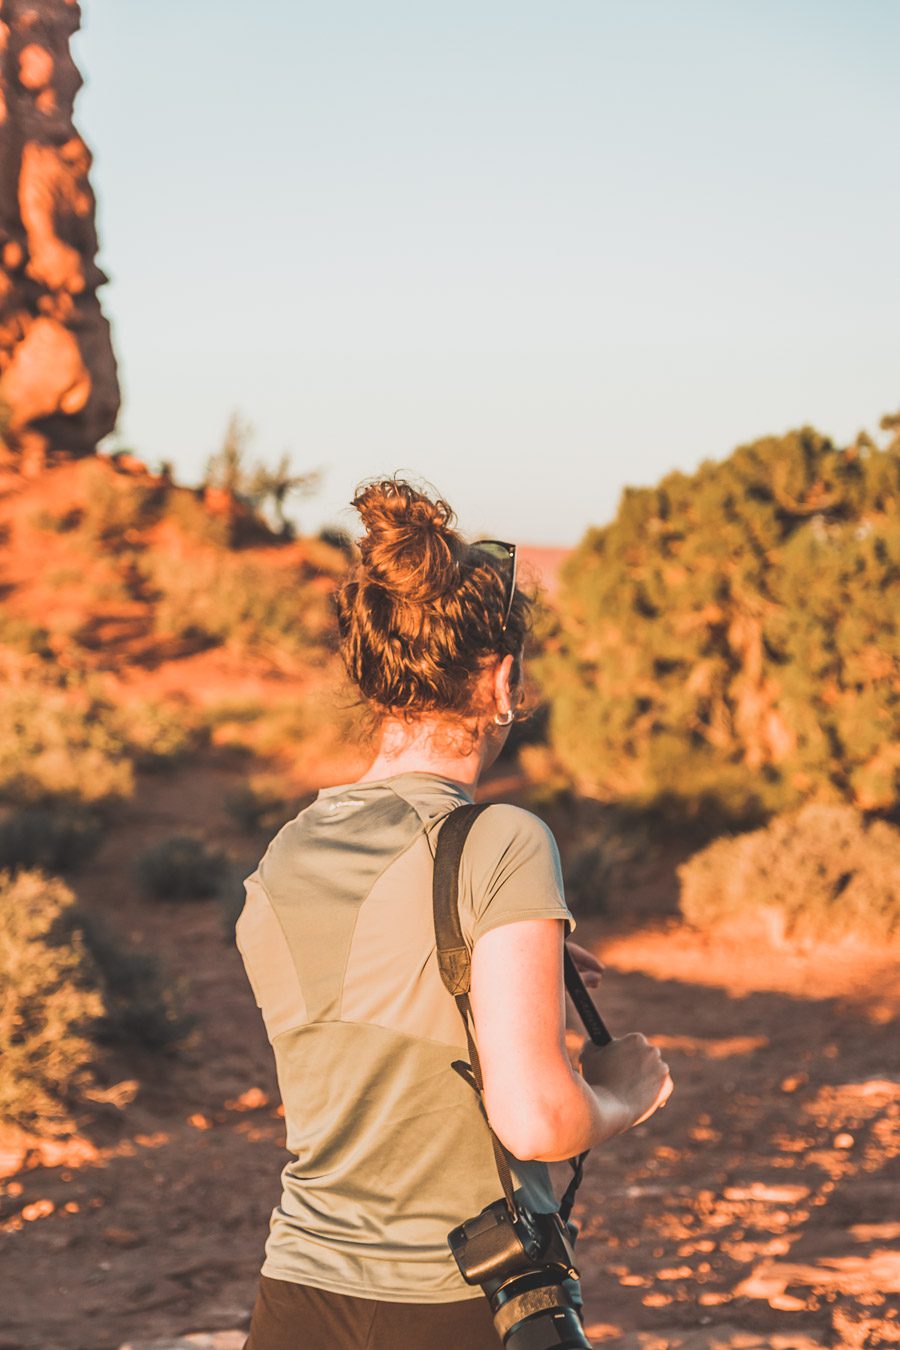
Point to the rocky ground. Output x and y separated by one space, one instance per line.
762 1208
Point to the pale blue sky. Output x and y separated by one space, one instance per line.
530 251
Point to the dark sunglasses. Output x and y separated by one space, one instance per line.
504 555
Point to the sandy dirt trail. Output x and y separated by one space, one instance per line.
762 1208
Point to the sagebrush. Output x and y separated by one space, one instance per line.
181 867
50 999
67 989
284 613
62 737
53 838
822 872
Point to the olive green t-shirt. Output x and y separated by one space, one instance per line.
390 1149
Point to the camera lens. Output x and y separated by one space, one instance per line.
558 1330
535 1311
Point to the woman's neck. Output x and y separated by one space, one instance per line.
430 746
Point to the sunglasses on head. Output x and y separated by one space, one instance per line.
504 556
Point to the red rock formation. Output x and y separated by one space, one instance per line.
59 393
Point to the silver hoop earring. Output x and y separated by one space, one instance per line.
507 719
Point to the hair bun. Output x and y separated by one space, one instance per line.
409 548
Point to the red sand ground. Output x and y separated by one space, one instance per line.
762 1208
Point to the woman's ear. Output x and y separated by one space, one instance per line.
505 693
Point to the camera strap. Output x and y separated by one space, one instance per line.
455 966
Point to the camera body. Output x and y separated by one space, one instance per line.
493 1245
521 1262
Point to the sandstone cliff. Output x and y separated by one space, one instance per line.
59 393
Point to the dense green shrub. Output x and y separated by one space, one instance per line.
181 867
818 872
727 647
54 838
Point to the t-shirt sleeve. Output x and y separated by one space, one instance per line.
510 871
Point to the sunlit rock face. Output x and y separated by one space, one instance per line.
59 394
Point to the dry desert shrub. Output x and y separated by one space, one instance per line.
56 522
23 636
823 872
117 509
181 867
322 721
251 808
186 508
142 1005
162 734
61 737
58 741
50 997
280 613
67 990
54 838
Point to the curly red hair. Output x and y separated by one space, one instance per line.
422 613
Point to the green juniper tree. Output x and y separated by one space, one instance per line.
731 641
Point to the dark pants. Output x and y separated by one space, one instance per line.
290 1316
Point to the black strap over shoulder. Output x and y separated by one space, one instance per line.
455 966
452 952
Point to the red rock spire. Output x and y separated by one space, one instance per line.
59 394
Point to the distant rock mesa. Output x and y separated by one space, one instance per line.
59 392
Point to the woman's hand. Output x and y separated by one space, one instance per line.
632 1072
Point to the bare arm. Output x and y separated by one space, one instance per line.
538 1104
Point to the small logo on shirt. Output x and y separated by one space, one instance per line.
342 802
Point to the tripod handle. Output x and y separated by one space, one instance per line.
594 1025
